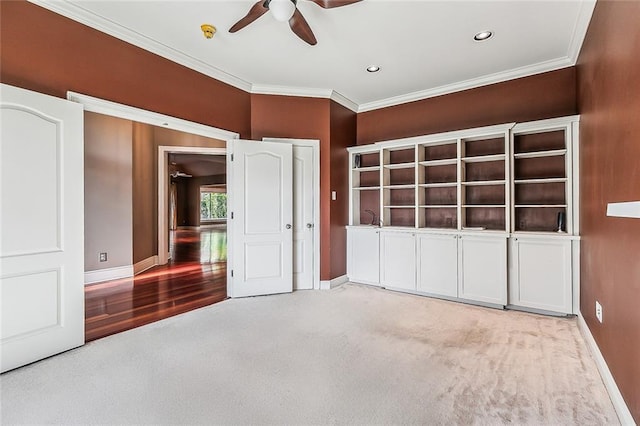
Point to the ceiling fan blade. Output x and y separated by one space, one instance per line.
301 28
329 4
256 11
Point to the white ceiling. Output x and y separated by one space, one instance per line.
424 48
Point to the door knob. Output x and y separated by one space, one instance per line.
288 226
309 225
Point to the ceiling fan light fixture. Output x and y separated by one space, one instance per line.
373 68
282 10
483 35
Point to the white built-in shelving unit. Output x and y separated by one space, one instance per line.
497 204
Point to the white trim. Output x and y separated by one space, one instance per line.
335 282
344 101
315 144
306 92
486 80
114 109
580 29
79 14
624 415
163 190
108 274
627 209
145 264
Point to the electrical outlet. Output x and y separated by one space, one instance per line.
598 311
103 257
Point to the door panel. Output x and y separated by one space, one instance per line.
42 226
303 215
483 273
398 260
261 234
438 264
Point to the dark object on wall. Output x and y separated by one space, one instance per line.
356 161
562 221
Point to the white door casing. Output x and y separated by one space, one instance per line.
41 244
261 177
306 211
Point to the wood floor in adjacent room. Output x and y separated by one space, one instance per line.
195 277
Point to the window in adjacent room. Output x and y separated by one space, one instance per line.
213 202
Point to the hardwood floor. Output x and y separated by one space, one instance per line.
195 277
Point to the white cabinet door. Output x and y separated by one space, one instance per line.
541 274
261 228
483 269
42 226
398 260
363 256
438 264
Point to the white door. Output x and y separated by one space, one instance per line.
306 186
261 226
398 260
41 226
303 223
438 264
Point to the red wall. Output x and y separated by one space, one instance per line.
343 133
48 53
312 118
547 95
609 102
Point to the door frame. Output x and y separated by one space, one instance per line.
315 145
163 189
126 112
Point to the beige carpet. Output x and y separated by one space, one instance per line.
352 355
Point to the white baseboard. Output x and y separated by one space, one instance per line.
624 415
327 285
108 274
145 264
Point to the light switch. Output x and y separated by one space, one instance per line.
334 195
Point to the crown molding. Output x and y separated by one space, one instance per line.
305 92
344 101
580 29
127 112
83 16
500 77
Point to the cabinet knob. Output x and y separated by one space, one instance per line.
288 226
309 225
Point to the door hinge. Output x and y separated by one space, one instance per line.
232 273
231 157
231 215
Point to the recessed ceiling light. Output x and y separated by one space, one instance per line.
482 36
373 68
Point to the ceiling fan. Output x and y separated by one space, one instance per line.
178 174
287 10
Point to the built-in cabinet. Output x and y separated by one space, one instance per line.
487 215
363 255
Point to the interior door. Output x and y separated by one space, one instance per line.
305 246
261 177
303 217
42 226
